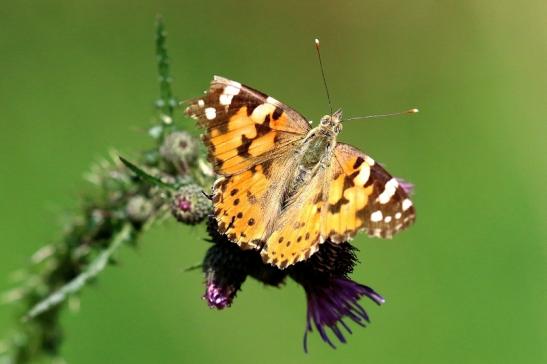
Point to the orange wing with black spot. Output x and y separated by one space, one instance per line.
243 126
363 196
296 234
251 140
246 205
353 194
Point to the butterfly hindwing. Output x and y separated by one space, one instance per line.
243 126
363 195
296 234
242 202
354 193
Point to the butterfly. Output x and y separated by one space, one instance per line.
284 187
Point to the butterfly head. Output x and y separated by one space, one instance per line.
331 124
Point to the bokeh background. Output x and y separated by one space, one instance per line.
467 284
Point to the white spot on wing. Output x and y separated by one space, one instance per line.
225 99
369 160
232 89
387 219
210 113
363 176
398 215
389 191
376 216
201 103
406 204
271 100
260 112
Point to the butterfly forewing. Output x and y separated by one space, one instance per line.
251 139
363 195
244 126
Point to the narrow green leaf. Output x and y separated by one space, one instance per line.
145 176
193 267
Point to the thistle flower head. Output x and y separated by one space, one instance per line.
181 149
331 295
217 295
139 209
189 205
225 268
332 301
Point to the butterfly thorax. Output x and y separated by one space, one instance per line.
314 154
320 142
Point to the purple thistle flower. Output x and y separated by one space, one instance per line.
184 205
331 301
331 296
225 271
218 295
226 267
189 205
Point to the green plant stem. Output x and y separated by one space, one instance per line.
166 102
78 282
103 225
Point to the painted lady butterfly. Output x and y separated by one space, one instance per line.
283 187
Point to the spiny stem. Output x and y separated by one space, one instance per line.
166 102
124 208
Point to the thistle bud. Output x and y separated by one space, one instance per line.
189 205
181 149
139 209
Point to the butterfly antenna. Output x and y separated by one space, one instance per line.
323 72
409 111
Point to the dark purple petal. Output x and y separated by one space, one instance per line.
218 296
184 204
224 266
331 301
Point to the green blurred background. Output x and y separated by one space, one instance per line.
467 284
